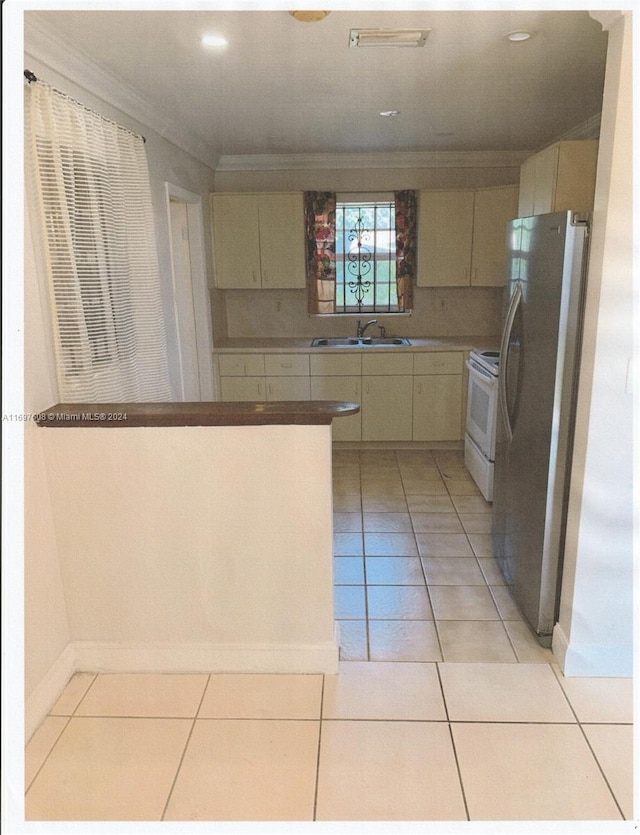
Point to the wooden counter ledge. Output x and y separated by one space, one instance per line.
123 415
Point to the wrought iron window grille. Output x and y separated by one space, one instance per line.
366 258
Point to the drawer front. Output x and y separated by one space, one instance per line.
379 364
241 365
288 388
242 388
438 362
286 365
338 365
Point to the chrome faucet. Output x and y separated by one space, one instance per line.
361 329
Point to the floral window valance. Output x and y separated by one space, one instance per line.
320 225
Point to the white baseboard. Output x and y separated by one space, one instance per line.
39 702
584 660
102 657
559 645
203 657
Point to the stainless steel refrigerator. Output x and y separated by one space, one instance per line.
539 356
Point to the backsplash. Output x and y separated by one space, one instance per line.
438 312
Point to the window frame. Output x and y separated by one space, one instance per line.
368 200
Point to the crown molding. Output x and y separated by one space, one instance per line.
64 59
589 129
401 159
607 19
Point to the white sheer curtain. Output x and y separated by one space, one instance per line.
92 185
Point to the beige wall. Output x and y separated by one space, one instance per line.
46 627
195 547
595 632
453 311
365 179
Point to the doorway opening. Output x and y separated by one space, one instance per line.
190 293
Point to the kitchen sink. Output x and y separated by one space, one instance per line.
358 341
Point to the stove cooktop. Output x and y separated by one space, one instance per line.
487 359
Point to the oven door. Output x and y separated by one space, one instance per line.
482 407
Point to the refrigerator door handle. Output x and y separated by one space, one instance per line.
516 300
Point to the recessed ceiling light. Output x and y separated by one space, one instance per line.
214 40
520 35
388 37
389 112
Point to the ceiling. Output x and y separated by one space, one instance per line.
282 86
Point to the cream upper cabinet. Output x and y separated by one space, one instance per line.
236 240
258 240
462 236
493 208
445 234
559 178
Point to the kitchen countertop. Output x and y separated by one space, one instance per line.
303 345
129 415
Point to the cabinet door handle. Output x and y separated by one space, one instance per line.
245 369
255 277
286 365
270 388
259 389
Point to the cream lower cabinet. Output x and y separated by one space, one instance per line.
403 396
259 377
242 377
287 377
437 401
338 377
437 396
348 390
288 388
387 397
242 388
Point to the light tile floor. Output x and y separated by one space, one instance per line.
475 723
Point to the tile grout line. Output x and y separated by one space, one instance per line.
426 585
586 739
317 780
66 725
184 750
453 743
43 763
367 633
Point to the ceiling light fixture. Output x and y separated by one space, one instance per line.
520 35
388 37
389 112
309 16
214 40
